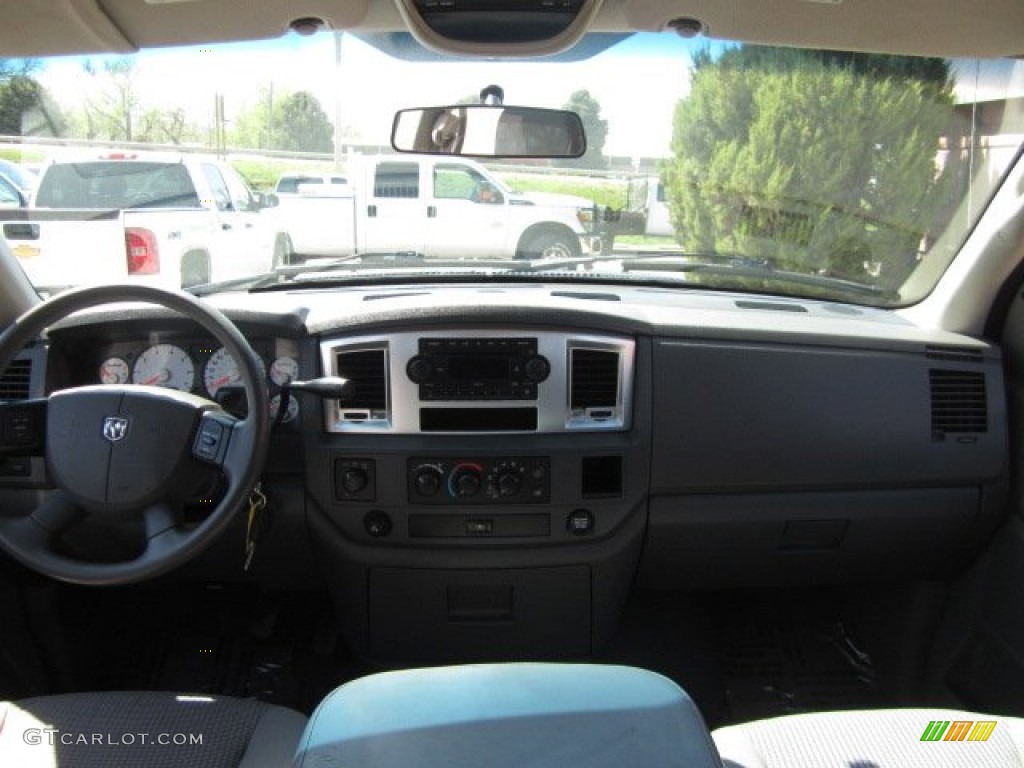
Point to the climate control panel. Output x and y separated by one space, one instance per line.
476 481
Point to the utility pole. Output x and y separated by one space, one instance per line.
337 100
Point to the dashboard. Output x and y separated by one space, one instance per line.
512 462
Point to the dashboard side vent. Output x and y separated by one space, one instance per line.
955 354
959 401
16 380
593 379
367 368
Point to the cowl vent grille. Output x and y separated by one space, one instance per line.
594 379
955 354
16 380
959 401
368 369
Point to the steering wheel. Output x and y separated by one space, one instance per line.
118 452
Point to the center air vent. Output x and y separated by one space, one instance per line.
367 368
15 382
959 401
594 378
595 387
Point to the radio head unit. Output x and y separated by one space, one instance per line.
477 368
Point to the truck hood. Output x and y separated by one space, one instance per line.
552 199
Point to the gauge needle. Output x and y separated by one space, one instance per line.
163 376
218 383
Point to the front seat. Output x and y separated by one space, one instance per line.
888 738
126 729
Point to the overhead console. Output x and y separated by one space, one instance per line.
481 382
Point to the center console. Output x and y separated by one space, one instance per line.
480 496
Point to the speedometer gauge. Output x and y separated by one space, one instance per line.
221 371
164 365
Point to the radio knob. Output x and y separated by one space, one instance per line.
427 481
508 484
537 369
419 369
466 481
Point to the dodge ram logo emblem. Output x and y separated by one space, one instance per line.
115 428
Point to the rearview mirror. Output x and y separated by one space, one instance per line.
487 130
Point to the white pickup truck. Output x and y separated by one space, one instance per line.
437 206
169 220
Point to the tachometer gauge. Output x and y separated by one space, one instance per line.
164 365
291 412
114 370
284 370
221 370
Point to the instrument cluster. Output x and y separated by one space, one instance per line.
200 367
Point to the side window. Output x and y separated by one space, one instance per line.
459 182
241 197
289 185
397 180
8 195
219 190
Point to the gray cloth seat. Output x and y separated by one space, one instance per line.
889 738
146 728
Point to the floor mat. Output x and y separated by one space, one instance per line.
281 649
783 657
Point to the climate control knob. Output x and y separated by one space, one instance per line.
508 484
427 481
466 481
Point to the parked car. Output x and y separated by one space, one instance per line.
752 501
19 175
173 221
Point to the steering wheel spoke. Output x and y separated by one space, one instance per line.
58 513
23 428
214 435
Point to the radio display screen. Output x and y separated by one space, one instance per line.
481 368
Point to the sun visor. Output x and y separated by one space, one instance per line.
910 27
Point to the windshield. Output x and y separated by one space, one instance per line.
845 176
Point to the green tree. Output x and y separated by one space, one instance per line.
25 107
292 121
111 111
817 162
303 125
596 128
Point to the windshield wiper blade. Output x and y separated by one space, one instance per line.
745 267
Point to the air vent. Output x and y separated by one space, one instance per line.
771 306
594 379
955 354
15 382
368 369
959 402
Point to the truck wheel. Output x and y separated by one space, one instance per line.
284 252
195 269
552 245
